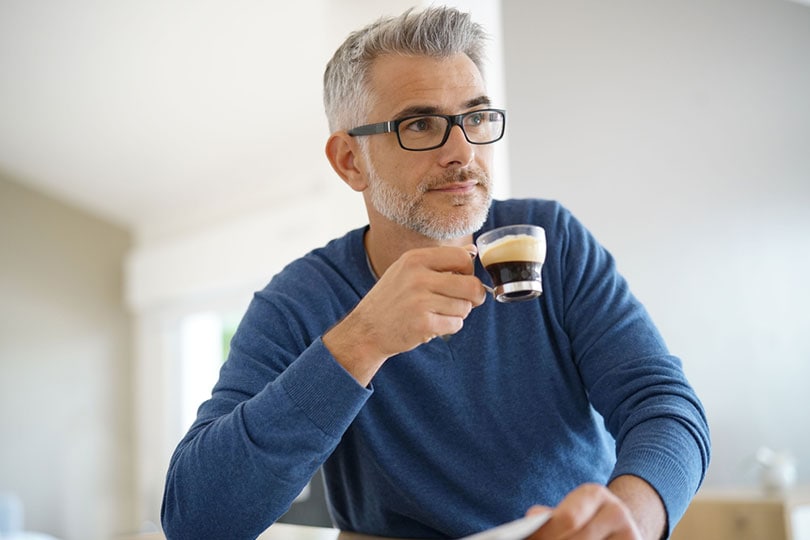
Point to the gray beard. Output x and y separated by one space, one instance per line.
407 211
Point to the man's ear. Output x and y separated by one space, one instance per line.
343 152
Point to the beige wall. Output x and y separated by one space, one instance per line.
65 413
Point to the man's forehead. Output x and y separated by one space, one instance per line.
433 109
426 84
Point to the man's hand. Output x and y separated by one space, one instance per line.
426 293
629 509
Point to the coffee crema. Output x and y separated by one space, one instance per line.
513 247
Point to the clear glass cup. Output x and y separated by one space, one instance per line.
513 256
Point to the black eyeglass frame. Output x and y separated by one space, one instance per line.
392 126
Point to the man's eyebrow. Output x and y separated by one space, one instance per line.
428 109
480 100
416 110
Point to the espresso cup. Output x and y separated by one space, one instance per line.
513 256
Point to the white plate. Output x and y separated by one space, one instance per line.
514 530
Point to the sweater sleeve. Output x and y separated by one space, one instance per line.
275 415
648 405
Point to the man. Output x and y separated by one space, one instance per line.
434 410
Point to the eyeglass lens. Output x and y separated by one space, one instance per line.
420 132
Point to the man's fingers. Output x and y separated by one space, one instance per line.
590 511
440 259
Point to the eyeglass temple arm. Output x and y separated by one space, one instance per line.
373 129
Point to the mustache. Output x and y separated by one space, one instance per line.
456 177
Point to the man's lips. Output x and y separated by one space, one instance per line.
456 187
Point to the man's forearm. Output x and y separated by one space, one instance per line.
644 504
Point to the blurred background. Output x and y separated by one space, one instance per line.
161 160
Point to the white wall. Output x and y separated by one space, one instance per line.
679 132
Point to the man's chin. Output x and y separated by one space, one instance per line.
459 221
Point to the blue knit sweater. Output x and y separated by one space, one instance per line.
526 402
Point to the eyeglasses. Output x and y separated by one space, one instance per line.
429 131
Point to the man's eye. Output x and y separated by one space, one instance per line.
475 119
420 124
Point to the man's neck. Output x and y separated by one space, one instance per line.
384 245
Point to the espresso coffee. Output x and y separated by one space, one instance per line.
509 271
514 262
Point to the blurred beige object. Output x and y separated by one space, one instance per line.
747 514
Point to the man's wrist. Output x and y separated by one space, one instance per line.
644 504
349 348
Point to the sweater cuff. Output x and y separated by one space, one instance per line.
323 390
667 472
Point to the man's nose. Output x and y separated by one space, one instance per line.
457 150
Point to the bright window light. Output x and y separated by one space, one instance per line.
200 360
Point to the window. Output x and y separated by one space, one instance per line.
205 339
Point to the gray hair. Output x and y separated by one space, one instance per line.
437 32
